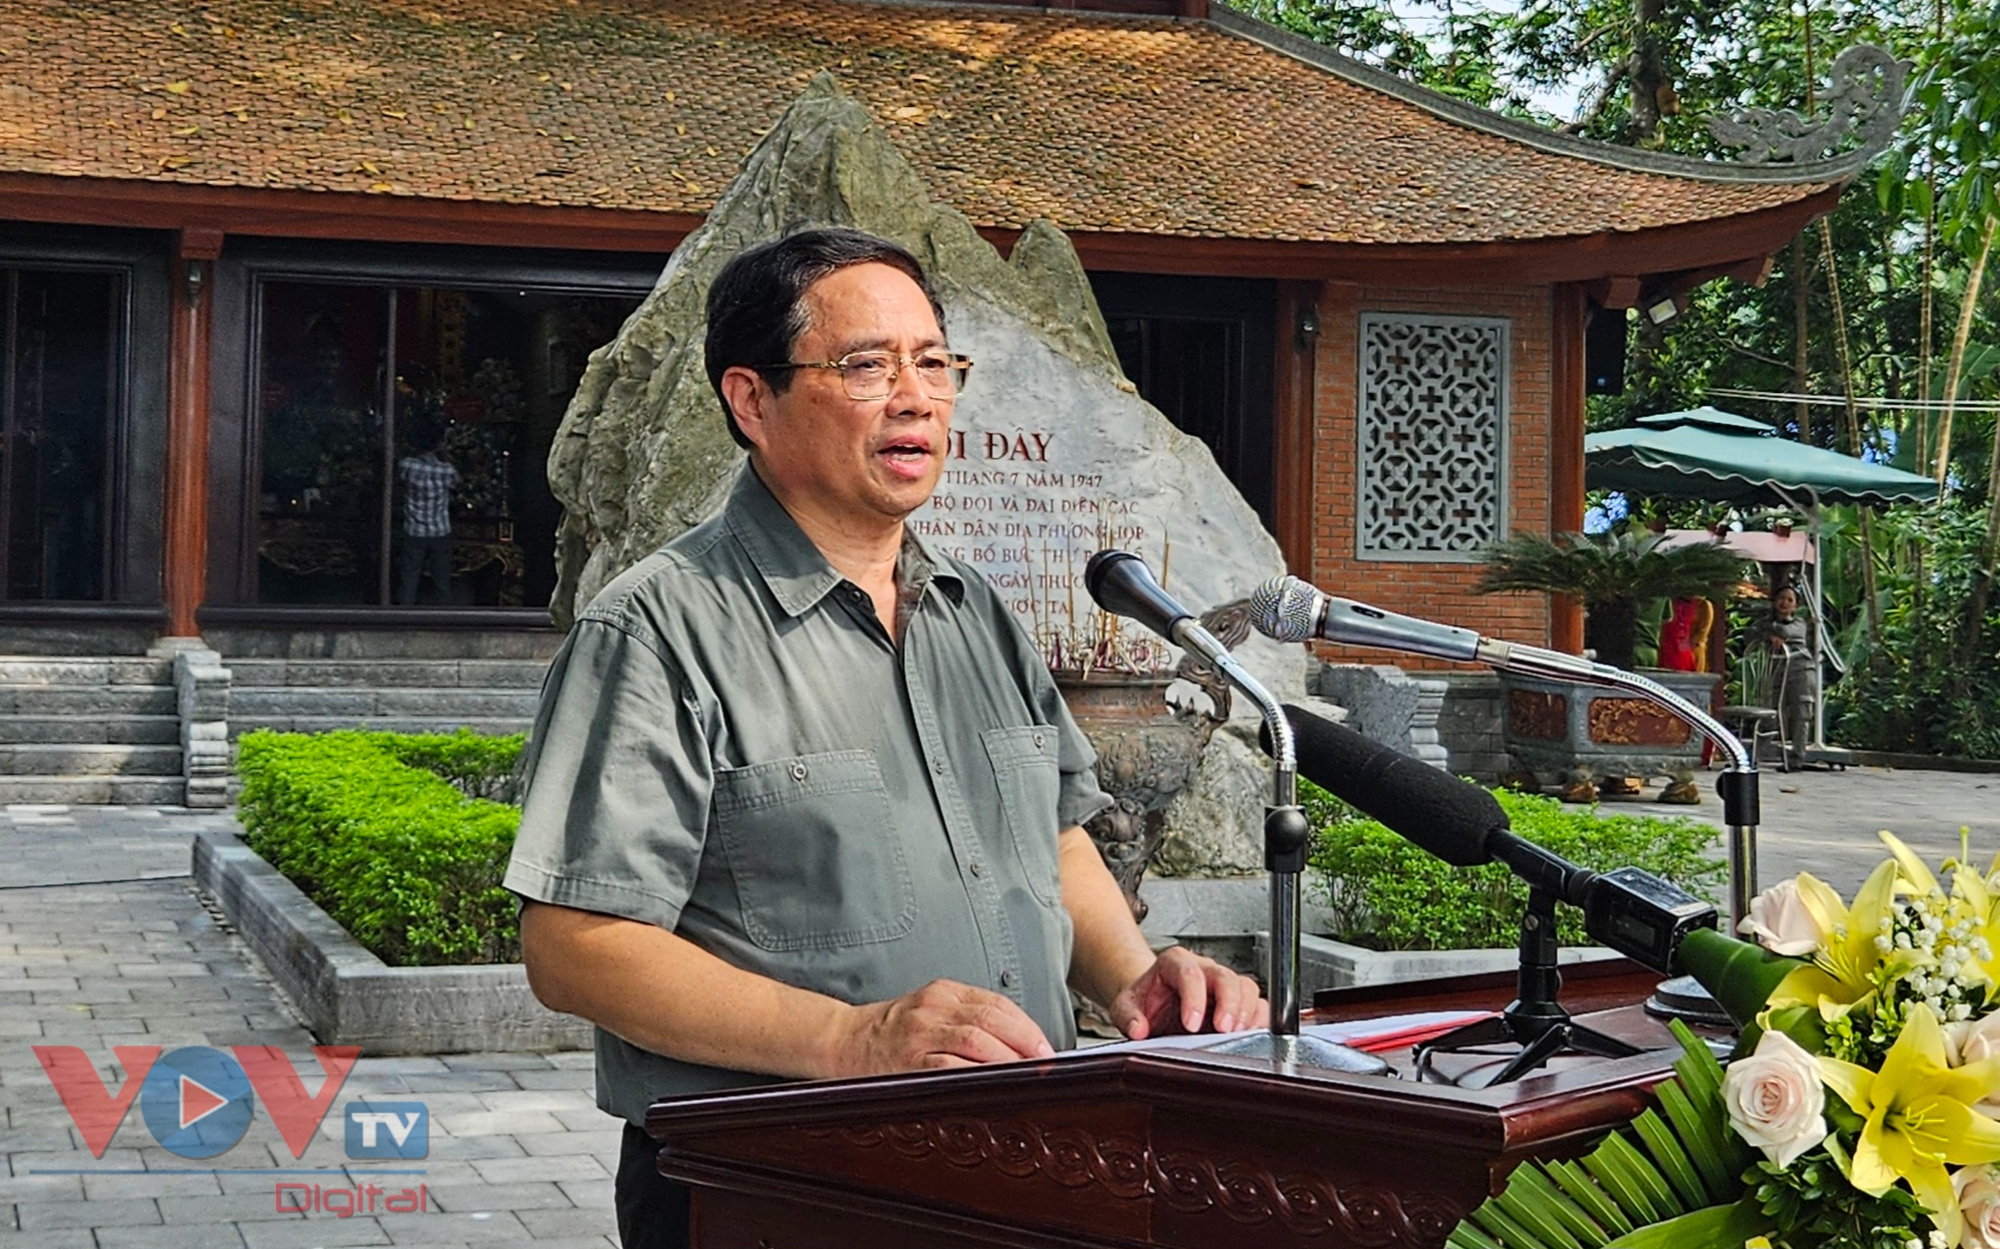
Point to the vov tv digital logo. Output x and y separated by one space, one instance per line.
198 1101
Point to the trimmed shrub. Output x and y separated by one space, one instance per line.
385 831
1386 894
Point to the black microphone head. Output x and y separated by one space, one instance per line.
1447 817
1120 583
1101 566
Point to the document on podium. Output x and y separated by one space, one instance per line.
1385 1033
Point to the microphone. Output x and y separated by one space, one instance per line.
1630 910
1121 584
1287 609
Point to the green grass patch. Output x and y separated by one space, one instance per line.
1386 894
396 836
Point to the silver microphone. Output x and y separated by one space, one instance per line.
1287 609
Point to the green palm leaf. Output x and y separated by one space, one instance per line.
1676 1168
1672 1160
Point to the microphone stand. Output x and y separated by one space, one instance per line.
1681 996
1737 786
1286 838
1121 583
1534 1019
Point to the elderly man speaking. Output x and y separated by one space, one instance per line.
803 801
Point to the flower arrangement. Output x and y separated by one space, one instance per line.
1862 1107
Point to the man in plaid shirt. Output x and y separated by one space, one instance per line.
427 483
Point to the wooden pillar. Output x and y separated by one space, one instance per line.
185 555
1292 404
1566 388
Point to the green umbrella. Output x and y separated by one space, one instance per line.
1724 458
1721 457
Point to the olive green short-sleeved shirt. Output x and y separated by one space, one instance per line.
731 746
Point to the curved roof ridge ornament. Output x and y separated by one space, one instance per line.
1832 170
1864 98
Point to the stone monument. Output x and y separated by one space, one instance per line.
1053 455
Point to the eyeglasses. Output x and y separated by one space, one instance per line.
873 374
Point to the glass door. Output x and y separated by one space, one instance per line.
61 352
404 433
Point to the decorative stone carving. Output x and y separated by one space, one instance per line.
1147 752
1433 418
1635 722
1864 103
1537 715
1580 735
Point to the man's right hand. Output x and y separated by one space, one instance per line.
943 1024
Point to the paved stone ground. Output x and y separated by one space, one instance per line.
104 943
1825 822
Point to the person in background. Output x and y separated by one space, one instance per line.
427 481
1793 683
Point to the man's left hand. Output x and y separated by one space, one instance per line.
1184 992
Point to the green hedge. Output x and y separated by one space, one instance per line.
1387 894
386 832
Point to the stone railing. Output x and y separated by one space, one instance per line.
202 684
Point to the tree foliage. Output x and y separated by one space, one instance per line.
1888 299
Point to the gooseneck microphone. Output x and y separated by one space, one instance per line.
1287 609
1120 583
1630 910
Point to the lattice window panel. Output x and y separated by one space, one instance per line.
1431 484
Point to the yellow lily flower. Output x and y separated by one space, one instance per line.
1920 1116
1972 899
1840 976
1916 873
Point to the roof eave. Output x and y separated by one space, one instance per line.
1841 169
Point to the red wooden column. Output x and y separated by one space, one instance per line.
1566 389
1292 423
185 557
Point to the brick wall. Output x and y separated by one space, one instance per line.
1431 590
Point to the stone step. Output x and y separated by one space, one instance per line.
103 699
138 730
406 701
94 790
379 673
491 725
85 670
88 759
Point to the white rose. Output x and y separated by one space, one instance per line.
1775 1100
1978 1190
1980 1040
1781 923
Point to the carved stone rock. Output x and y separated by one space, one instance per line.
1053 454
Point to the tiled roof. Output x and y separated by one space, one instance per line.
1098 123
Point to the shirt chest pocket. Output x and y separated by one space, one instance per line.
1024 767
817 861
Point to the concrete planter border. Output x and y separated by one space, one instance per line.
1202 912
350 997
1328 964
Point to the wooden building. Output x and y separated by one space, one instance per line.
249 247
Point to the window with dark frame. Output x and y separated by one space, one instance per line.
1201 351
402 436
62 357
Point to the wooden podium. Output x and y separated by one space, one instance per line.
1175 1148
